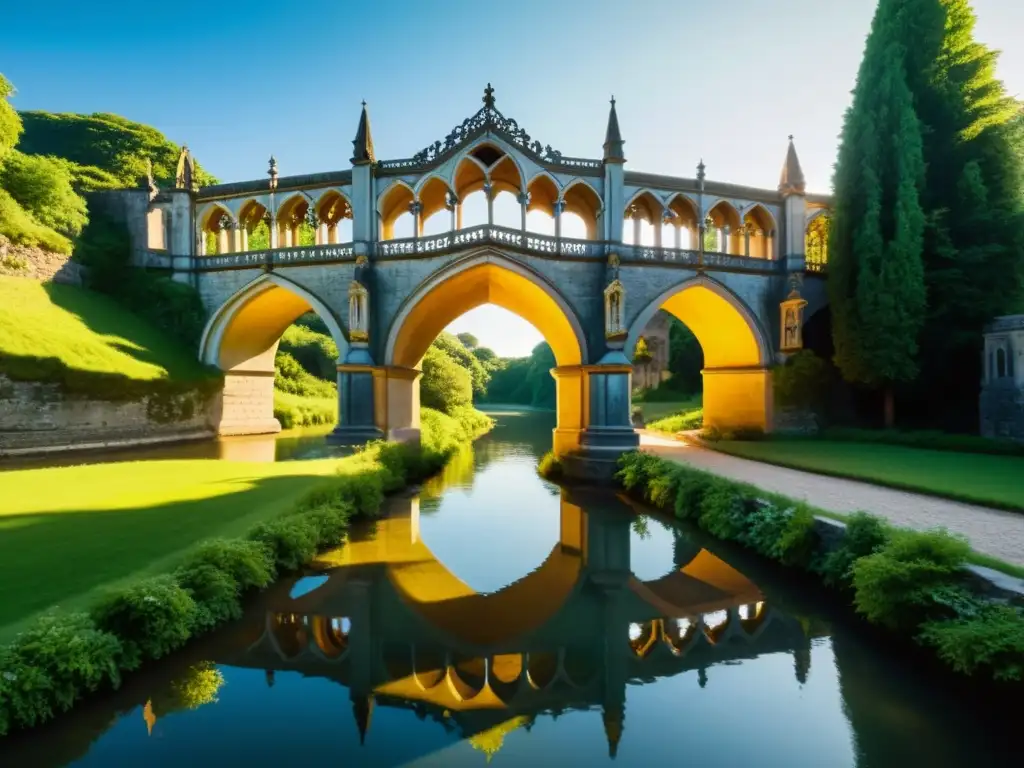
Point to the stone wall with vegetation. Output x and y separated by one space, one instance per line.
37 416
38 264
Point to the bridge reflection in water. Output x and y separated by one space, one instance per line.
396 627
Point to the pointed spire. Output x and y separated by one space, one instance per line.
792 180
362 708
363 142
613 722
613 138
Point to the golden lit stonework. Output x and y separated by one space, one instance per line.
792 310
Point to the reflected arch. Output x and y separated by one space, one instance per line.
737 354
485 277
241 339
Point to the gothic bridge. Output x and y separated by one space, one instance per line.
391 623
388 252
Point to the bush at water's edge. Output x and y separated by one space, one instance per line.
908 581
63 657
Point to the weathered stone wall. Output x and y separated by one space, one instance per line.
37 264
37 417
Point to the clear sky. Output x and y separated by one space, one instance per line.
240 81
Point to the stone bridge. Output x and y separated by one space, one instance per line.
585 250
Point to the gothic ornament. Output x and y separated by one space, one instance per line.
792 310
358 313
614 311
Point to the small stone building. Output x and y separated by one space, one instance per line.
1002 389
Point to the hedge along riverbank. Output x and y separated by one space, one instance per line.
64 657
911 582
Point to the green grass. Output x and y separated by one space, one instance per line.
299 411
84 340
995 481
65 532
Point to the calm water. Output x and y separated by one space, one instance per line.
496 618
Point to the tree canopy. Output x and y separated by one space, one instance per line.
109 150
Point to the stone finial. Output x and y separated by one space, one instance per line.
613 138
184 178
272 172
363 142
792 182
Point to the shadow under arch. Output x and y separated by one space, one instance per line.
737 353
489 277
241 339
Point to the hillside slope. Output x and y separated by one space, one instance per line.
87 342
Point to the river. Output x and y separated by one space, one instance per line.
493 617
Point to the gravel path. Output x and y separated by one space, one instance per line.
990 531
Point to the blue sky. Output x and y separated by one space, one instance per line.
236 82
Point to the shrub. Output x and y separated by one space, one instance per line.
151 618
990 641
51 665
248 563
292 541
549 467
897 585
864 535
218 597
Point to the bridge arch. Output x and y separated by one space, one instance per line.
737 351
241 339
488 277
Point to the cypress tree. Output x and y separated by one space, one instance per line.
974 238
876 276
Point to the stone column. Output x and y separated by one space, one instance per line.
489 194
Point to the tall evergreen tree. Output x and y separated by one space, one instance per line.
876 276
972 197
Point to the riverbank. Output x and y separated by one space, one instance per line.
123 525
910 582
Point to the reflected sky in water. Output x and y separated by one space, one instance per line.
498 618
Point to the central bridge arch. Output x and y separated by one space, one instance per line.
486 277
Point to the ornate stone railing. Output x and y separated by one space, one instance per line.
503 237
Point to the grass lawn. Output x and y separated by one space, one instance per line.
83 331
995 481
67 531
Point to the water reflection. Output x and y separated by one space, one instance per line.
493 616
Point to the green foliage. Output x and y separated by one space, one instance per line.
445 385
293 541
294 411
108 142
43 188
900 585
314 350
865 535
876 275
549 467
464 358
679 422
173 307
151 618
10 123
50 665
18 226
802 382
290 376
990 642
